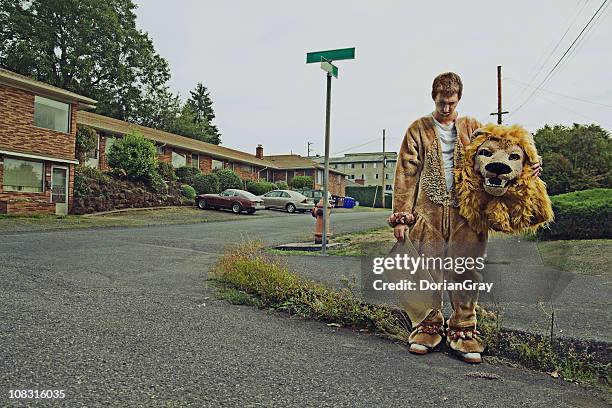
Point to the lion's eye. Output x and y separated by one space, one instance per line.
514 156
485 153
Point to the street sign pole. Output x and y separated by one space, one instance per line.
326 58
326 170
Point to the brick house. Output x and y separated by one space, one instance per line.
285 167
174 149
37 145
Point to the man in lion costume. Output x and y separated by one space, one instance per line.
455 181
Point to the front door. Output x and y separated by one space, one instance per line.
59 190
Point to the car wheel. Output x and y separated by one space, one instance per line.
290 208
202 204
236 208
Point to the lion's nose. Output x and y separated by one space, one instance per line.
498 168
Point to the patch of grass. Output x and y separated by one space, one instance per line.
259 275
560 358
586 257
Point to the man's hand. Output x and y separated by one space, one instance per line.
399 231
537 168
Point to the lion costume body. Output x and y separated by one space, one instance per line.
487 195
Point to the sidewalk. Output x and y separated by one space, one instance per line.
524 290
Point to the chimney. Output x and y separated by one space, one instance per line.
259 151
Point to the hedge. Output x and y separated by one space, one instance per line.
585 214
188 191
229 179
260 187
187 174
365 196
207 184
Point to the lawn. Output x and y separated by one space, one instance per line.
138 218
586 257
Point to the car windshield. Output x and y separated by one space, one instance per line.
247 195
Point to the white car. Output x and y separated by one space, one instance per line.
288 200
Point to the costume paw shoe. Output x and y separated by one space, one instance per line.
425 337
466 342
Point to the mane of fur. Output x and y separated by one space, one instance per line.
525 206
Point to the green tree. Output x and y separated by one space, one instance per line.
136 156
200 104
577 157
89 47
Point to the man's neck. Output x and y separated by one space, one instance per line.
445 120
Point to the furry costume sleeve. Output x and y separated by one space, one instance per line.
408 171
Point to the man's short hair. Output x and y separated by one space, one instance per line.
447 84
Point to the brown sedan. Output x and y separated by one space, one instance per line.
235 200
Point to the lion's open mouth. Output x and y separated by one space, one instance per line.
495 182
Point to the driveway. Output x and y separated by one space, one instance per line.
122 317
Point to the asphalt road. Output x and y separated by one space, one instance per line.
122 317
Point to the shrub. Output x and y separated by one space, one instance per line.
260 187
301 182
187 174
282 185
188 191
207 184
583 214
81 186
135 155
86 140
156 182
229 179
166 171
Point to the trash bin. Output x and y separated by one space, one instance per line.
349 202
340 202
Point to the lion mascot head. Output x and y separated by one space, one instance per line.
495 185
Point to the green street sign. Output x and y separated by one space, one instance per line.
330 55
329 68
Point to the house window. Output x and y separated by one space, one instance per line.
376 176
388 187
23 175
363 166
195 161
217 165
246 169
160 149
352 177
178 160
50 114
363 177
352 165
387 176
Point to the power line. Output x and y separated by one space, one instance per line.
583 39
561 59
533 78
354 147
525 85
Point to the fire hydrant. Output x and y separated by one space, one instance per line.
317 212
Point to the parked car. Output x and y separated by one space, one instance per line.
235 200
288 200
316 195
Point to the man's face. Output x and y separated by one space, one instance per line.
446 105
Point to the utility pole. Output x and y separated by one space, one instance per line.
309 143
384 161
499 112
326 170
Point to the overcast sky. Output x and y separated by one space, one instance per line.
251 56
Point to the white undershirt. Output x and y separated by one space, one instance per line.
448 138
